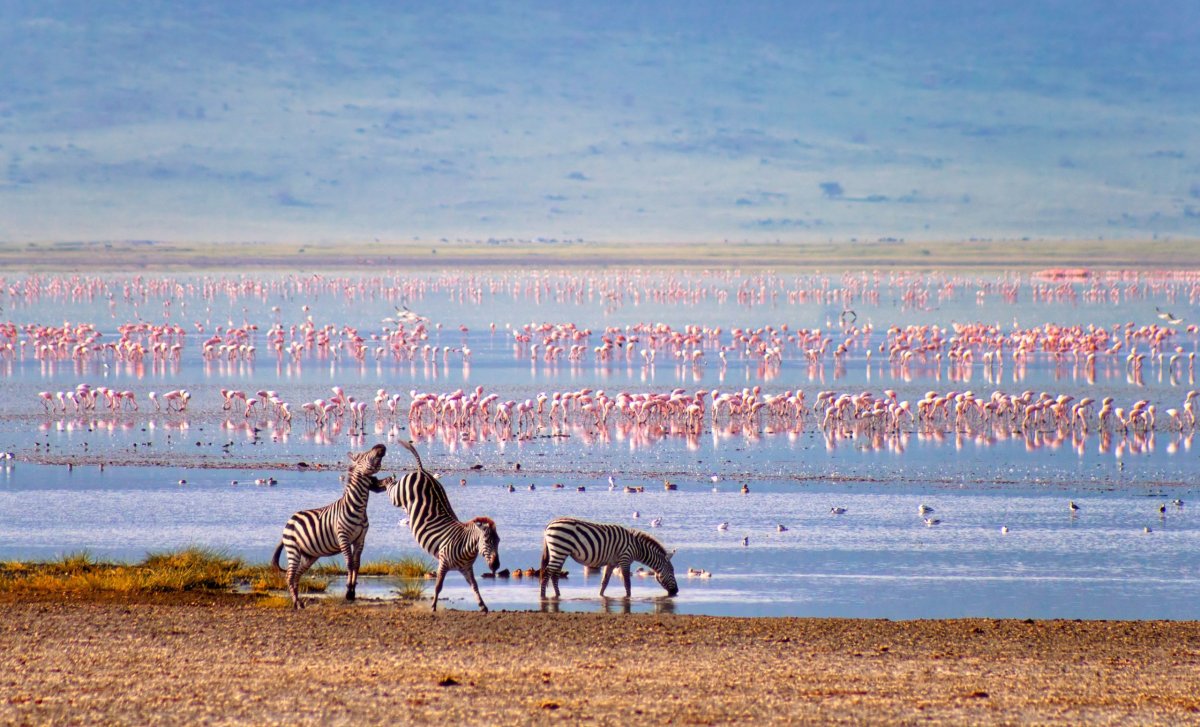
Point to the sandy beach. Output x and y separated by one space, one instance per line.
220 659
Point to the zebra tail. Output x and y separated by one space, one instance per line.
275 558
409 446
545 560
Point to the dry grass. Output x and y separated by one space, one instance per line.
188 569
411 590
274 602
398 567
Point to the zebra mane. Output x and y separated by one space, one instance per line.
650 540
484 521
409 446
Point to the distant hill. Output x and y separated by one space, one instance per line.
662 121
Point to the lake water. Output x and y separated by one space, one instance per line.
878 559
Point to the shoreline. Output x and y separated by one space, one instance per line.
196 656
168 256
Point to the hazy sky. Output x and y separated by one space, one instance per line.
607 121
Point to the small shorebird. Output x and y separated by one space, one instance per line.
723 527
924 509
636 514
746 541
656 522
1004 530
837 511
931 521
781 528
1177 502
1074 508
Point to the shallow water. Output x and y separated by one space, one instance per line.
877 560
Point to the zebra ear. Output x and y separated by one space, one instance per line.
672 553
355 456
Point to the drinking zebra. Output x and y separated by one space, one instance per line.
437 529
611 546
339 527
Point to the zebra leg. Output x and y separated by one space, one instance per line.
545 570
626 578
296 569
348 553
437 586
608 570
551 568
556 571
469 574
352 565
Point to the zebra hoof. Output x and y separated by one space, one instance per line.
483 608
349 594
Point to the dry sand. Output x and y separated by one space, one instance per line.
221 659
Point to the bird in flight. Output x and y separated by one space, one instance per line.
1168 316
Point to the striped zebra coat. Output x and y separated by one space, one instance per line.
598 545
339 527
437 529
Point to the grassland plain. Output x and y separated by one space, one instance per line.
191 657
147 255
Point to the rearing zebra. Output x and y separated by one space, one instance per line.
339 527
598 544
437 529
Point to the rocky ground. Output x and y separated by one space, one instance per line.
224 659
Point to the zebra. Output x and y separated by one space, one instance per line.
339 527
598 544
437 529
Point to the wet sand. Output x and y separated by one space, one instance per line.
225 660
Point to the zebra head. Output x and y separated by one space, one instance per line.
368 462
659 559
489 542
666 574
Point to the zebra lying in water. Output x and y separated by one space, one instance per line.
339 527
611 546
437 529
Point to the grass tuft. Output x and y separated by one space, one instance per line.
399 567
411 590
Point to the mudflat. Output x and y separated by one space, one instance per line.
224 659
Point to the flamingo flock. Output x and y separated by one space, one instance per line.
873 420
211 318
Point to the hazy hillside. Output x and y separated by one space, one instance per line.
661 120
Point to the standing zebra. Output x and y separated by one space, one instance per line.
339 527
597 544
437 529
